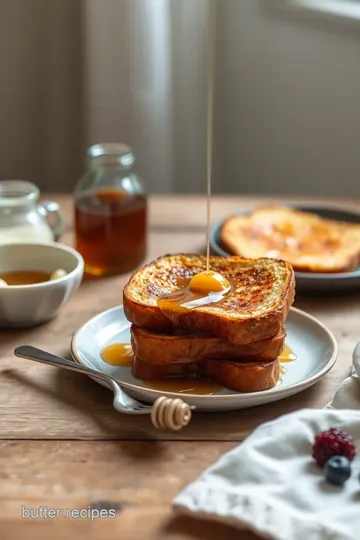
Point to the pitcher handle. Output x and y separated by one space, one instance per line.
52 207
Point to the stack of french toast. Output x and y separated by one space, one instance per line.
233 336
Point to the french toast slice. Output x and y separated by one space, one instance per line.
256 307
164 349
242 376
307 241
237 376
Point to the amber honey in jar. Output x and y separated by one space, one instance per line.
110 212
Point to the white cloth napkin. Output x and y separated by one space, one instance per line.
271 485
348 394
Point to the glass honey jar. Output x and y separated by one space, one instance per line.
110 212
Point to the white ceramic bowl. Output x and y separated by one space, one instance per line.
28 305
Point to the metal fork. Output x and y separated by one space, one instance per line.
165 412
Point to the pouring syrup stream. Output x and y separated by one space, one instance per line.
207 286
209 130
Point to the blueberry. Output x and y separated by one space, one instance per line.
337 470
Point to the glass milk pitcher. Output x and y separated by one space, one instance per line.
22 218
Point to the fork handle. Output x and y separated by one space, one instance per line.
43 357
166 413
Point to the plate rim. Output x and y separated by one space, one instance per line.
250 396
308 276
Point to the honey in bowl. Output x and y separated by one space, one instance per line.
29 277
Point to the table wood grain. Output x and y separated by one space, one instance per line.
62 444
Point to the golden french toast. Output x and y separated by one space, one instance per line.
307 241
164 349
254 308
237 376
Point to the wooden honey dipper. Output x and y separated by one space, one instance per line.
168 413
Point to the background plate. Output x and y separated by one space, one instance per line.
307 282
312 342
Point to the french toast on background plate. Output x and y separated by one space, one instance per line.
234 338
309 242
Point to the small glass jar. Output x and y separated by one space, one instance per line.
22 218
110 212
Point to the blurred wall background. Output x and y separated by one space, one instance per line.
76 72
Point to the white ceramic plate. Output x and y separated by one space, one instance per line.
311 341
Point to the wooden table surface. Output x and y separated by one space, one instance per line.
63 446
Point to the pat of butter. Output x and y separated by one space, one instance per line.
3 283
57 274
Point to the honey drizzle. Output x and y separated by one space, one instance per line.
184 299
185 385
209 131
287 355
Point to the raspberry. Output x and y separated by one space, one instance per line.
334 442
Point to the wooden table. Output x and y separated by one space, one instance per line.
62 444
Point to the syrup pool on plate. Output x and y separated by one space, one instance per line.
121 354
118 354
